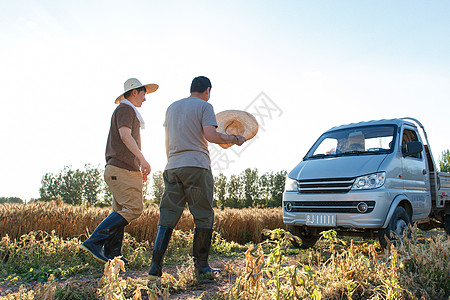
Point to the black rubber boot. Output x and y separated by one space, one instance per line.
104 231
159 249
113 246
201 247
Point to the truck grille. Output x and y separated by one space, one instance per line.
327 206
328 185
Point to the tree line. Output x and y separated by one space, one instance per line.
11 200
248 189
87 187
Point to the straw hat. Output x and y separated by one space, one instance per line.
132 84
236 122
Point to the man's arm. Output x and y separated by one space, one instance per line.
215 137
128 140
167 142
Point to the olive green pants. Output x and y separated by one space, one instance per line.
190 185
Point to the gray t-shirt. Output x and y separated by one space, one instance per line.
185 119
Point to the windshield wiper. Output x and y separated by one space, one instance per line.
384 151
321 155
353 152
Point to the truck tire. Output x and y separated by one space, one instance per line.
308 238
447 224
393 233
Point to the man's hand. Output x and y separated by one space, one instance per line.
240 140
213 136
145 169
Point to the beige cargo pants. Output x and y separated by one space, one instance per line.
126 188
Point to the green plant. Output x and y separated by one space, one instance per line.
220 246
444 161
37 255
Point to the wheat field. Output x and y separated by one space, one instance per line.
238 225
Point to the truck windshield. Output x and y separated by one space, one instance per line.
354 141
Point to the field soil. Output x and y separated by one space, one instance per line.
206 288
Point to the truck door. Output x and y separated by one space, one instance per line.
414 174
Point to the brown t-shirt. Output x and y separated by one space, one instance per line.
117 154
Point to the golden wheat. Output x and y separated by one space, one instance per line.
238 225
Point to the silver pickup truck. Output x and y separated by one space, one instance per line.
369 179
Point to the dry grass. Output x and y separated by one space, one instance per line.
238 225
417 269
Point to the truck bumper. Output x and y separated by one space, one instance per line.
373 219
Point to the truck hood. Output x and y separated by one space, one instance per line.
337 167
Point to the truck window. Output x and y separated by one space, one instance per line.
409 136
327 147
354 141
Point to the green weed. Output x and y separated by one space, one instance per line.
37 255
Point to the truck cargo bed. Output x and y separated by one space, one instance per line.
444 189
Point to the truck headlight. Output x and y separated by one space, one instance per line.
290 185
368 182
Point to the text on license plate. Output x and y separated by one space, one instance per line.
321 219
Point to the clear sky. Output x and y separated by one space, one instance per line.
304 66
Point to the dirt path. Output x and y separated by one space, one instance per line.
205 287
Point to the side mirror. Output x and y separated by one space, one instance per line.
413 148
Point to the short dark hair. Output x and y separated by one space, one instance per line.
139 89
200 84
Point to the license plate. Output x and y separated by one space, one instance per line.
321 219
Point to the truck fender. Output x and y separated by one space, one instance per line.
394 204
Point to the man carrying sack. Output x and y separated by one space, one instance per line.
190 124
126 170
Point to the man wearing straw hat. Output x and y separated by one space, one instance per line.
190 124
126 170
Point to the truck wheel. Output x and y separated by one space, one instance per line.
308 238
447 224
393 233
